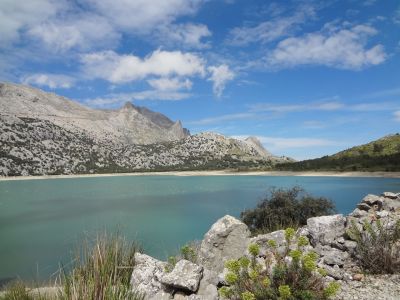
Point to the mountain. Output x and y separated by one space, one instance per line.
380 155
130 124
42 133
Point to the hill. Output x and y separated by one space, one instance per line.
380 155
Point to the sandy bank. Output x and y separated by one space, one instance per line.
215 173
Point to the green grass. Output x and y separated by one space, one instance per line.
100 270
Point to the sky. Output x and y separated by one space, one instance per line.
307 77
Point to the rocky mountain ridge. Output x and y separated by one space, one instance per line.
41 133
130 124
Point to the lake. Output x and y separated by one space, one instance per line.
42 221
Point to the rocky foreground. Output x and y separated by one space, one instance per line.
229 238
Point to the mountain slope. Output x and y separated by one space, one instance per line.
130 124
380 155
42 133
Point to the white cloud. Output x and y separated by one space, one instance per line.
16 16
220 75
116 100
117 68
397 115
144 15
188 35
85 32
343 48
170 84
53 81
269 30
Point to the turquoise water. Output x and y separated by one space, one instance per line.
41 221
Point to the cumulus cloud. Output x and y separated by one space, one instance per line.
53 81
269 30
117 68
85 32
170 84
144 15
16 16
343 48
220 76
188 35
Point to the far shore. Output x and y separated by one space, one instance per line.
215 173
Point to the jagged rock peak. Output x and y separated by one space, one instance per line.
255 142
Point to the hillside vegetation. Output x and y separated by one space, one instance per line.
379 155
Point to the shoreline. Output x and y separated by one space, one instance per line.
377 174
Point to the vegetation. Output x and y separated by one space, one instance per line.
379 155
101 270
298 278
19 291
377 248
285 207
188 252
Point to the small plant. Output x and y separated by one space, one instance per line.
283 208
101 271
294 278
16 291
187 252
378 246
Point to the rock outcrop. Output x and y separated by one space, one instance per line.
229 238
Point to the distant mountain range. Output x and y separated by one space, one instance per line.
380 155
43 133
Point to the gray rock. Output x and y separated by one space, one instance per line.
324 230
390 195
382 214
334 272
208 285
227 239
161 295
350 245
391 205
332 256
145 275
185 275
358 213
371 199
363 206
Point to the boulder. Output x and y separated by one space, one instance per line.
371 199
363 206
324 230
358 213
208 285
145 275
262 240
332 256
227 239
390 195
161 295
185 276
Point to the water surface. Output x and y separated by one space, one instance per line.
41 221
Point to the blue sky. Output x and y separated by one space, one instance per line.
309 78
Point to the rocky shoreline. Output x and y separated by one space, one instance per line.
229 238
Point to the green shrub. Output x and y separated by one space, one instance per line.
378 246
188 252
285 207
101 271
297 278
